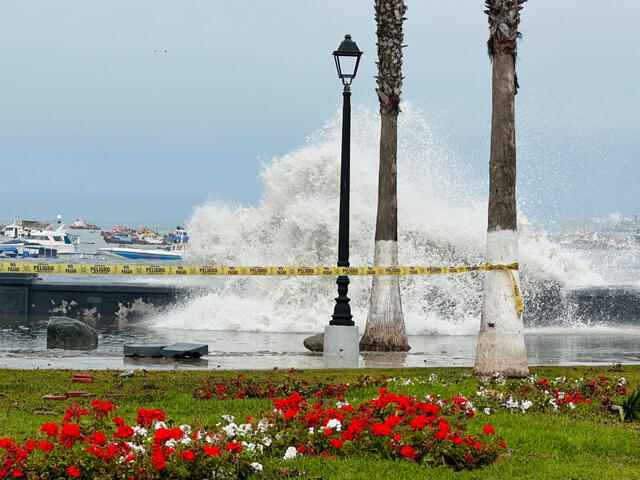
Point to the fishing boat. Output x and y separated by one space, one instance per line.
81 224
141 253
180 236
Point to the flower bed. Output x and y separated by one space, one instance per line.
221 388
91 442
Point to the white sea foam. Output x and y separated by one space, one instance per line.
442 221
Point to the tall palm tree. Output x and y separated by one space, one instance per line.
501 340
385 330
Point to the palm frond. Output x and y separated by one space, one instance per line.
630 408
504 18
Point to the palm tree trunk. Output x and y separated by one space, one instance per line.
501 345
385 329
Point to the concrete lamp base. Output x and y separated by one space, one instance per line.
341 347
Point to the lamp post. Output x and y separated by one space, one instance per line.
341 335
347 58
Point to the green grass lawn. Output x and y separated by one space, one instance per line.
587 442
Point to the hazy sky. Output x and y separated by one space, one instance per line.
96 119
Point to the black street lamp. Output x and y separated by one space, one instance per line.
347 58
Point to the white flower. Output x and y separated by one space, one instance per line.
171 443
257 467
231 430
311 431
571 405
266 441
334 423
208 439
511 403
160 425
487 411
341 404
524 406
290 453
228 418
140 431
245 429
185 428
250 446
185 440
136 448
262 426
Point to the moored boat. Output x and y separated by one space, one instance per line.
36 234
141 253
81 224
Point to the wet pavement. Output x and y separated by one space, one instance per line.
247 350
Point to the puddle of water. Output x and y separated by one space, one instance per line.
246 350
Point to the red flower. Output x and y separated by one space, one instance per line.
103 408
98 438
124 431
6 443
380 429
73 471
215 451
234 447
488 429
18 473
118 421
46 446
502 445
393 420
69 434
444 427
188 455
408 452
51 429
420 422
146 417
327 432
336 443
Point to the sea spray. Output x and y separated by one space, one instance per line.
442 221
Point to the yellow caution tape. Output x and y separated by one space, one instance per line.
214 270
85 269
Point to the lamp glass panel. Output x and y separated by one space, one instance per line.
348 65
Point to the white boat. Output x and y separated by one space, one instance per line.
142 253
56 239
20 228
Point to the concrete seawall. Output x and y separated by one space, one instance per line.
25 299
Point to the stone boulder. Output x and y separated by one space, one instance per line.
315 343
70 334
